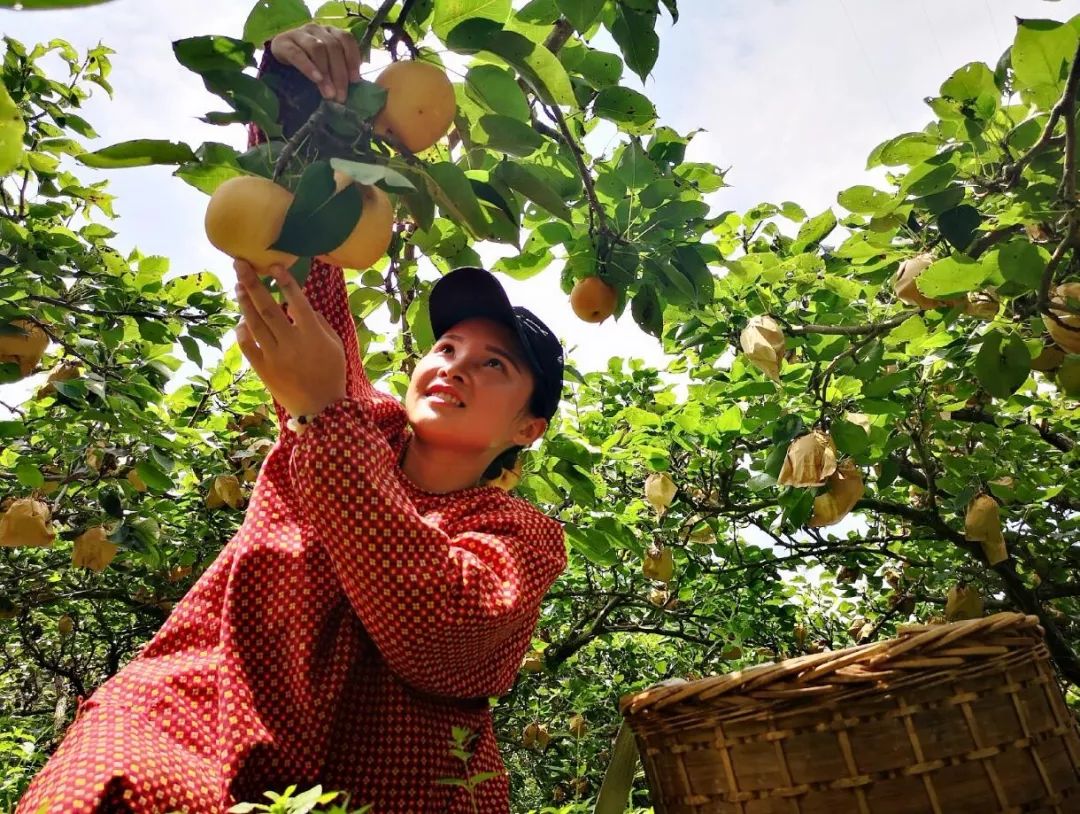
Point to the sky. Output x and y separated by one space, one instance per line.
792 96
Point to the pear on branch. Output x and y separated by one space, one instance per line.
963 602
982 524
535 736
136 481
1049 359
810 460
982 305
905 287
533 662
845 488
1068 339
93 549
26 523
658 564
61 373
577 726
762 341
660 490
225 491
24 344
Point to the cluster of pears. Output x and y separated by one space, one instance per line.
811 461
246 213
1064 331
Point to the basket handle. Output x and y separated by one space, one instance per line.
619 777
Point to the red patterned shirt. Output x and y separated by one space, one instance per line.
350 623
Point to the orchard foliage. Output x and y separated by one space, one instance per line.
940 389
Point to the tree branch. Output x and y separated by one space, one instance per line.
844 330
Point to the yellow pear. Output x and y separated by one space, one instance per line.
61 373
371 236
420 104
1067 338
762 341
225 491
658 564
244 219
845 488
26 523
963 602
982 523
809 461
24 348
906 289
136 481
535 736
660 490
533 662
593 300
577 726
93 550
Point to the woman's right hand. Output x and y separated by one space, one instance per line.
328 56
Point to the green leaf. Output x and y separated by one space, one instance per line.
451 13
1041 55
814 231
864 200
632 111
365 98
581 13
251 98
647 311
153 476
959 225
1022 263
539 67
318 221
28 474
495 89
214 53
271 17
508 135
138 153
12 129
1002 365
454 194
851 439
689 262
592 544
907 148
378 174
216 164
636 37
520 179
957 274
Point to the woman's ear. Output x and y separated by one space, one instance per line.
529 430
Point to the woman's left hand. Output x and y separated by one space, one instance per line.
298 356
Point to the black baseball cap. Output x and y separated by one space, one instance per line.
469 292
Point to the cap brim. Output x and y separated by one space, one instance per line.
469 292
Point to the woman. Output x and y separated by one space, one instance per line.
377 593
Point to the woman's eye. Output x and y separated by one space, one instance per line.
498 362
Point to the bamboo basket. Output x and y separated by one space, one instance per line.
963 717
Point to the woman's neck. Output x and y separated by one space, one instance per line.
438 469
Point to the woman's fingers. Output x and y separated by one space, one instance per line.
300 311
338 65
289 52
268 323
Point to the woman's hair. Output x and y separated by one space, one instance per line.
508 457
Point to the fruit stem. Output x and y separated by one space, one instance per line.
298 138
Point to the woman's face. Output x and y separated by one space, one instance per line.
471 391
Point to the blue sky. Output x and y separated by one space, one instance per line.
792 94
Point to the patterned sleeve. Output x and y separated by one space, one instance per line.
451 614
325 285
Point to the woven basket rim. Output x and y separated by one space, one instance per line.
915 647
